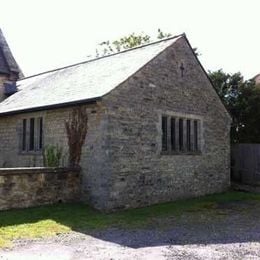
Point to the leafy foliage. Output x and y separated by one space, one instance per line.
162 35
127 42
248 114
130 41
124 43
52 156
242 99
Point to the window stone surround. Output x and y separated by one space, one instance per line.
36 150
185 117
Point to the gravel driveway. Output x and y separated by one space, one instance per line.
233 232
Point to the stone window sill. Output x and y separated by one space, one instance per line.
31 153
181 153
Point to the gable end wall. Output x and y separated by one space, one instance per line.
141 174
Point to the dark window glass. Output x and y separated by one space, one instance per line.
24 135
31 140
188 136
173 145
196 148
40 133
164 133
181 134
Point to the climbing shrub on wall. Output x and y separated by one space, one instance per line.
76 128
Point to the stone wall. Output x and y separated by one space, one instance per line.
140 173
94 160
27 187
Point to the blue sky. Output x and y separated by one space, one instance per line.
48 34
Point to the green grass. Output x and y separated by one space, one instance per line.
51 220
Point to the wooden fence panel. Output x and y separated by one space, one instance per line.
245 163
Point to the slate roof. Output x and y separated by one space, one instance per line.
7 61
82 82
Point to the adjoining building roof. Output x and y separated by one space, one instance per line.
7 61
83 82
256 78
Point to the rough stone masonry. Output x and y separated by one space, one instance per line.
27 187
123 161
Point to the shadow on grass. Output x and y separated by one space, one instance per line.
231 217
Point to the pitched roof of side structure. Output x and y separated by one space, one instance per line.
83 82
256 76
7 61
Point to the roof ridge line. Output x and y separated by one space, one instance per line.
106 56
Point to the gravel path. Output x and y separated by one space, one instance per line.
232 233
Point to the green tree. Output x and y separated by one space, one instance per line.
248 113
162 35
227 86
127 42
130 41
124 43
242 99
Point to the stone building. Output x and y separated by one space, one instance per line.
9 69
256 78
157 130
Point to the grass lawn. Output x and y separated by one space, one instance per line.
51 220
